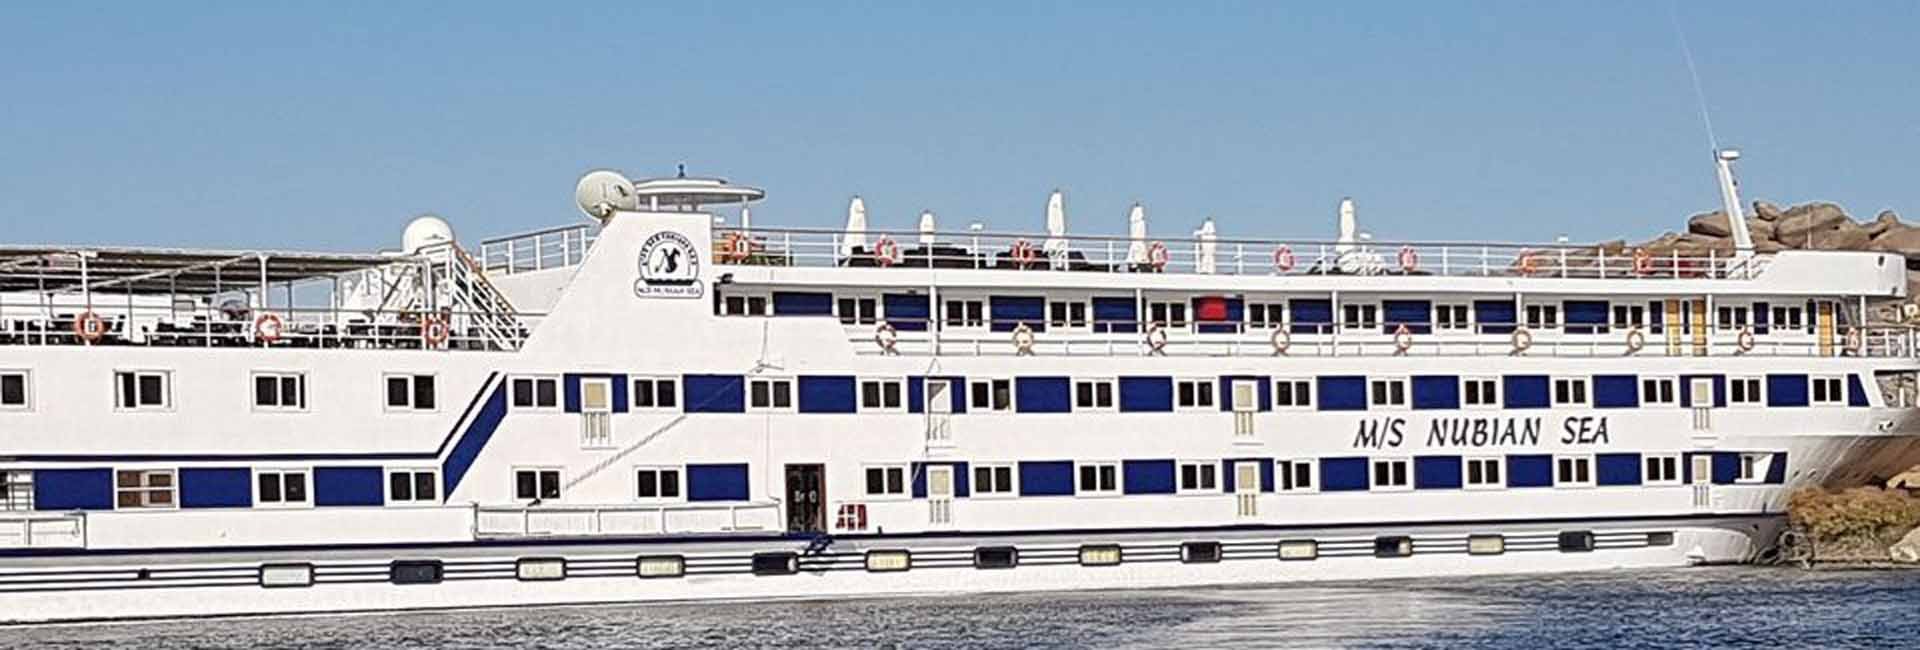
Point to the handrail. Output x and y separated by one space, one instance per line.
297 327
592 520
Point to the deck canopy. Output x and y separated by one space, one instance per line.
168 270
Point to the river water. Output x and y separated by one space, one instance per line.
1727 606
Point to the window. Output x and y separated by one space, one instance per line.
1570 391
993 480
1451 317
1390 393
280 487
1266 315
886 481
745 305
881 395
413 486
858 311
1099 478
1543 317
16 490
1657 391
142 390
1827 391
1167 314
152 488
279 391
1199 477
1752 467
536 393
532 484
410 392
1359 317
1193 393
1093 394
1296 475
1627 317
1786 317
1732 317
1744 391
1484 473
1663 470
1390 474
656 393
1066 314
965 313
13 390
661 483
1575 471
1293 393
770 394
1479 392
991 394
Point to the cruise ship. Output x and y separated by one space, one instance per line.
671 402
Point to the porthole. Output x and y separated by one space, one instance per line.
415 572
286 575
534 569
885 561
1660 539
996 557
660 566
1392 546
1100 555
1200 552
776 564
1299 549
1576 541
1486 545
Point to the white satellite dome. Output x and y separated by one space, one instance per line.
425 230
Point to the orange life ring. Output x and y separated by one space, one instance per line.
1025 253
886 252
1642 261
1529 263
1283 259
267 328
1156 339
1635 340
1281 340
1402 339
1854 340
1023 340
737 247
887 338
434 331
89 326
1158 256
1522 339
1744 340
1409 259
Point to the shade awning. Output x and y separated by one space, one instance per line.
165 270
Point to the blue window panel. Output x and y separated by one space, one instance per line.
1146 394
1586 316
216 487
961 479
1146 476
1417 315
1531 470
826 394
1495 316
1524 391
1726 467
1436 392
1236 314
1229 477
1009 311
570 391
1342 393
1616 469
1656 316
1042 395
1115 315
349 486
1786 390
1616 391
715 393
1856 391
907 312
1777 470
1343 474
1719 390
1046 478
1263 392
718 482
1760 318
1436 472
474 439
1311 316
802 303
917 394
73 489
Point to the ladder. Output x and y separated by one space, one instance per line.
480 313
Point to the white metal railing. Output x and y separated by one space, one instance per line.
1009 251
43 530
534 251
154 325
624 519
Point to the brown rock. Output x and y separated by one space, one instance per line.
1802 219
1882 223
1712 224
1848 236
1760 230
1901 238
1766 211
1767 246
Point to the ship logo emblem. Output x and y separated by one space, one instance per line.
669 267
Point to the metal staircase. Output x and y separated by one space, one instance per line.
480 316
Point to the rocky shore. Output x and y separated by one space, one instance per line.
1864 525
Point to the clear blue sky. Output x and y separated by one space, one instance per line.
327 125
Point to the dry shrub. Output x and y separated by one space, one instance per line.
1862 515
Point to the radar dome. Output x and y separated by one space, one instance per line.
425 230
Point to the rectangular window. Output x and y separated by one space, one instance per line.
16 490
1391 474
858 311
1663 470
1485 473
881 395
656 393
1359 317
1827 391
1752 467
993 480
1570 391
1193 393
142 390
657 483
150 488
1732 318
991 394
1066 314
1786 318
886 481
1093 394
1543 317
745 304
413 486
1199 477
1480 392
1744 391
1296 475
1099 479
278 487
1266 315
14 390
410 392
536 393
1451 318
1167 314
1627 317
1293 393
965 313
770 394
1573 471
1387 393
279 391
531 484
1657 391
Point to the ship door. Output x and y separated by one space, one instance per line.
1246 488
1823 325
1246 401
806 499
1697 310
1702 480
596 413
939 494
1675 325
939 411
